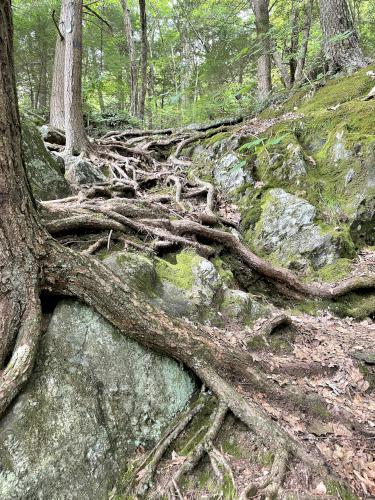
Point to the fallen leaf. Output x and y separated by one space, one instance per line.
321 489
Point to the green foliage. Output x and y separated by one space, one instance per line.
202 57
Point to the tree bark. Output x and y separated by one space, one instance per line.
341 41
57 115
132 59
20 237
144 52
262 23
76 138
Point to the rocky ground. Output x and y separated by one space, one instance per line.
199 221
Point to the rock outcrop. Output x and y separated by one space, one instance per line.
93 398
46 178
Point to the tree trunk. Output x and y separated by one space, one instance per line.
301 60
132 58
20 237
341 41
57 115
76 138
144 52
262 23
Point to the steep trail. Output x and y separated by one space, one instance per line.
304 372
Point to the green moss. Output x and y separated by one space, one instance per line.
178 270
103 253
339 490
232 448
316 131
196 430
338 91
336 271
275 342
266 459
224 271
217 138
312 404
369 374
204 477
229 489
359 305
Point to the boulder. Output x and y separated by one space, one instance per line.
79 171
93 398
190 285
228 172
241 306
219 157
52 134
46 179
59 160
286 231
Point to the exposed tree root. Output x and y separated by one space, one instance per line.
146 471
18 369
269 488
276 321
124 206
198 452
174 229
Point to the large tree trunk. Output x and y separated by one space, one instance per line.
341 40
57 115
20 237
262 23
132 58
144 51
76 138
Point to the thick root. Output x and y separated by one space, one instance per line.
18 370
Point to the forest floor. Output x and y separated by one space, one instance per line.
319 370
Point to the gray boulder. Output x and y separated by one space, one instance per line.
79 171
93 398
52 135
287 231
241 306
46 179
228 173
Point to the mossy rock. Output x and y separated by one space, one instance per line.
44 173
326 155
189 283
135 270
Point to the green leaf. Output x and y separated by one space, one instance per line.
237 167
251 145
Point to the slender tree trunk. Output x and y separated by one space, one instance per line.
341 41
262 23
301 60
76 138
120 91
20 241
132 58
100 76
186 66
144 52
43 85
57 115
294 36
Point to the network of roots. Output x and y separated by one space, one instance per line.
305 372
